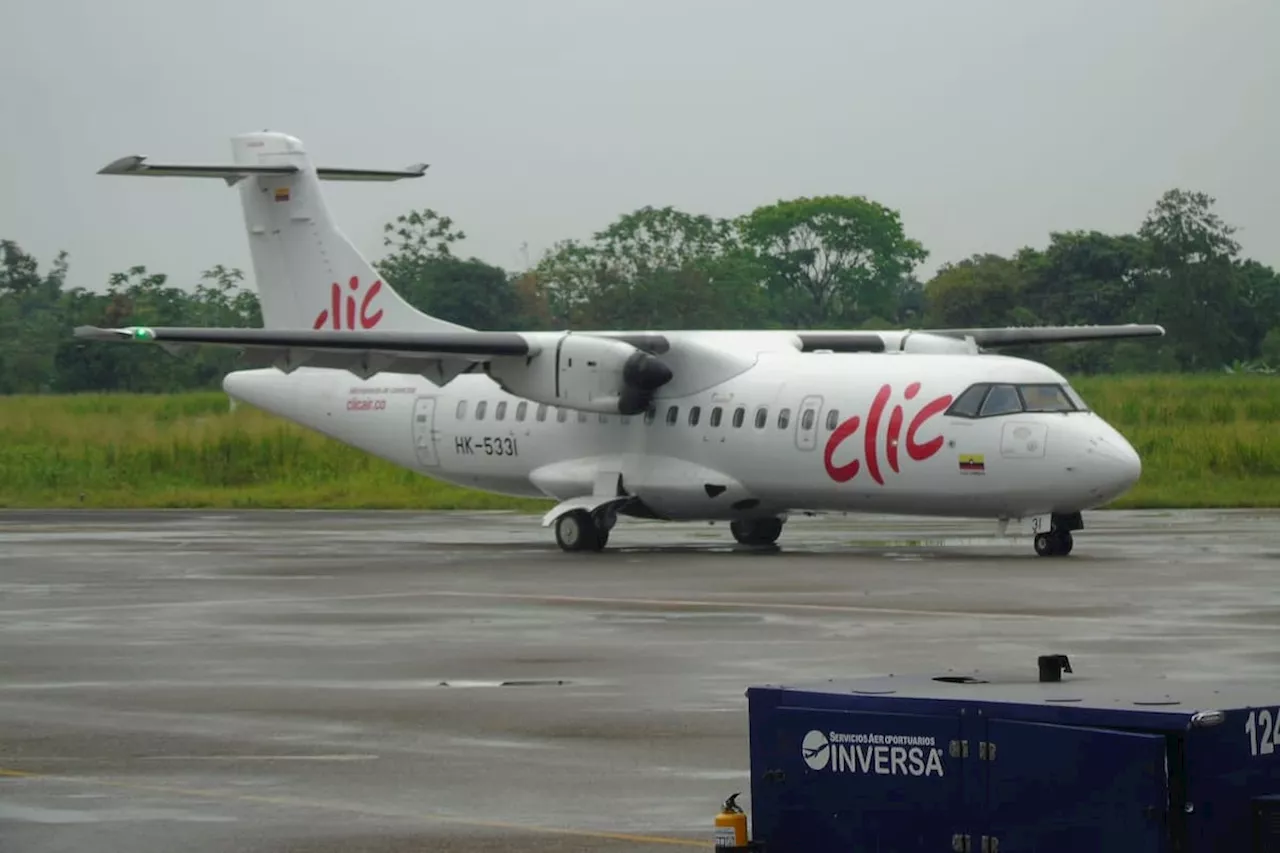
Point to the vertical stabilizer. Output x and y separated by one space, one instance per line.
309 275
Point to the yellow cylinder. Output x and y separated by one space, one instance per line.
731 825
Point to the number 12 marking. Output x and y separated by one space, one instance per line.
1264 733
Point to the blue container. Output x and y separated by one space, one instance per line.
1004 764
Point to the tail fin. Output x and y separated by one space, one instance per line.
308 274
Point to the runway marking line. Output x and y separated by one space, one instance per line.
231 796
669 603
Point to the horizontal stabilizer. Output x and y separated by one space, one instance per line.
231 173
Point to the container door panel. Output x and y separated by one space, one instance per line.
841 780
1067 788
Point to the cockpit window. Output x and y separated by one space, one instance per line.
1045 398
967 404
1075 398
1002 400
985 400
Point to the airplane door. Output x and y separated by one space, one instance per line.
807 423
424 434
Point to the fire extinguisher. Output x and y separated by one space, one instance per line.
731 825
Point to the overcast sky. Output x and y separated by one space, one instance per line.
986 124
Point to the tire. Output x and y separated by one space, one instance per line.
1056 543
575 531
756 531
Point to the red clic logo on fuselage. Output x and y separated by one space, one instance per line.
915 449
333 314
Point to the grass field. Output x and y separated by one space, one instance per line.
1206 441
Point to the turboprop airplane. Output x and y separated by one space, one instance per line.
748 427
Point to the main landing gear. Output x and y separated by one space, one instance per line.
756 531
1057 542
584 531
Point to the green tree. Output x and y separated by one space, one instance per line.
831 261
983 290
654 268
30 322
424 268
1193 279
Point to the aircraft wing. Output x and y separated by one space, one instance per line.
971 340
1019 335
437 355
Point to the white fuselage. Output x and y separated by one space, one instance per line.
855 432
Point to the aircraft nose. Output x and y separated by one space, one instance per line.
1113 465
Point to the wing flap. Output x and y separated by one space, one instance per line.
439 369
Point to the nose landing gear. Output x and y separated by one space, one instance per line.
1057 542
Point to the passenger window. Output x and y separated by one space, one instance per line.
521 410
762 417
626 419
582 417
501 411
542 412
1002 400
806 422
673 414
694 413
562 415
480 407
462 409
739 415
715 416
833 419
784 418
1045 398
604 419
650 413
968 403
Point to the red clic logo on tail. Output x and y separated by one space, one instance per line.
916 450
333 314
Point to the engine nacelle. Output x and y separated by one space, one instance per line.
593 374
922 342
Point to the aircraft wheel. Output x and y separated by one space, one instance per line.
576 531
1065 543
756 531
1057 543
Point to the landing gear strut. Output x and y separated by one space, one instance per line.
756 531
580 530
1057 542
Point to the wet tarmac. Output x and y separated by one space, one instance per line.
280 681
